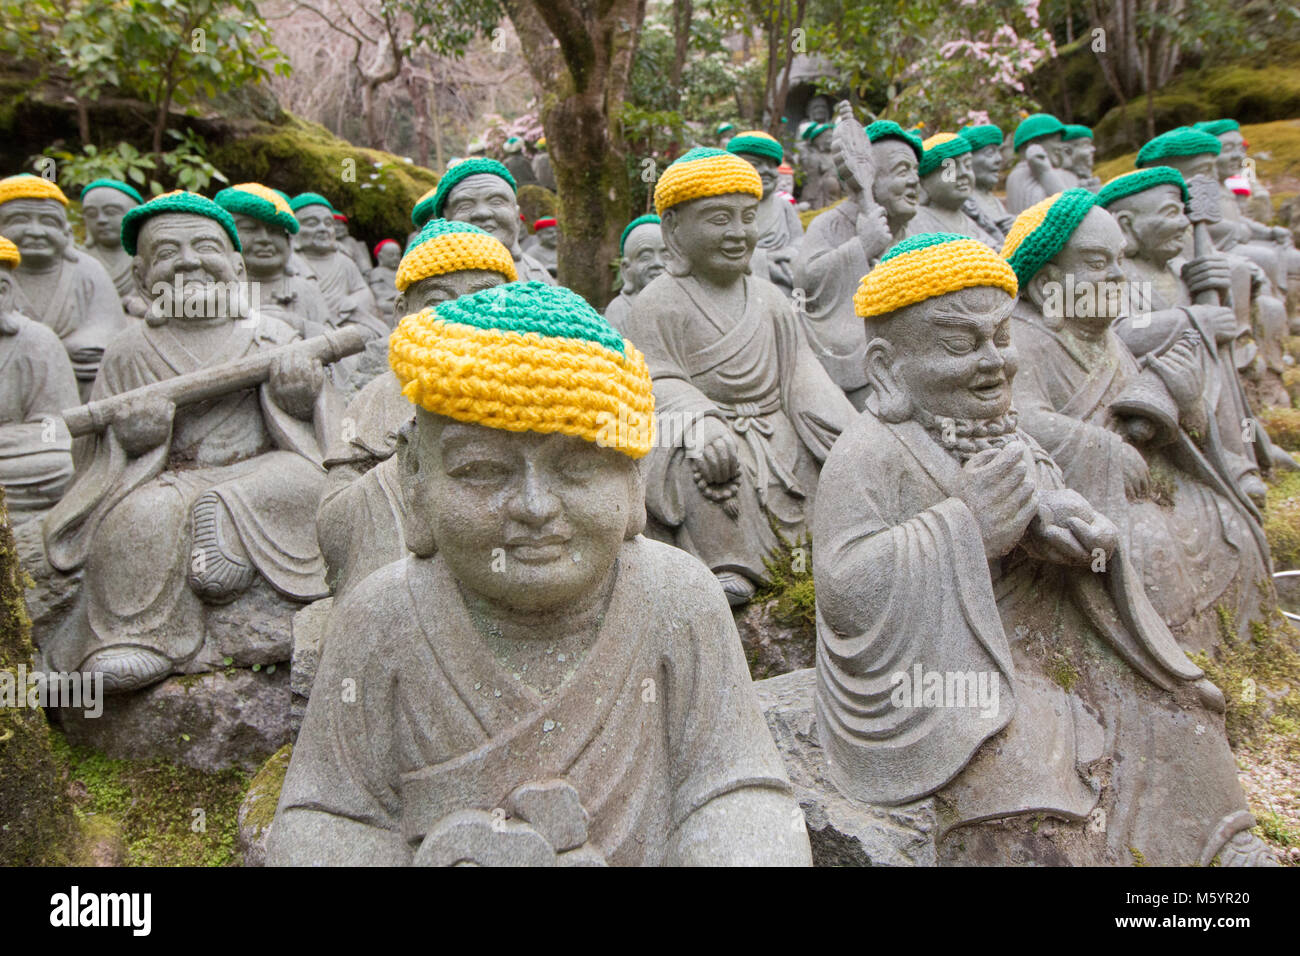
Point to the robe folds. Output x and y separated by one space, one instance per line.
127 520
438 725
120 270
619 311
296 300
530 269
927 220
779 230
903 585
1024 190
345 291
755 373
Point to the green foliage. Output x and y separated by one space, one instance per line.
186 166
790 583
1273 828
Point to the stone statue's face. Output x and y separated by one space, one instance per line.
549 237
766 168
103 209
1233 157
953 354
390 255
436 290
266 246
1058 152
819 109
529 522
196 251
986 165
1094 257
340 229
1155 221
715 234
897 188
38 227
1081 157
644 256
950 185
822 141
1192 166
316 234
488 202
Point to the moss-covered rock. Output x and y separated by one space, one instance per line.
1282 425
1282 521
257 810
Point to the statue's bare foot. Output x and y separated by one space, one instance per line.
219 568
738 588
1246 849
127 668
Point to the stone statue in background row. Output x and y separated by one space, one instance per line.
388 255
642 258
1042 170
103 204
542 166
58 285
1078 140
821 184
510 705
947 183
986 167
981 633
779 230
351 245
547 233
746 412
341 282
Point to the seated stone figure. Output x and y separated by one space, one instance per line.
359 521
747 412
103 204
986 166
352 246
58 285
36 384
340 280
547 233
388 255
1078 140
265 223
176 508
843 242
1042 170
821 183
957 579
642 255
482 192
511 705
779 230
947 183
1109 424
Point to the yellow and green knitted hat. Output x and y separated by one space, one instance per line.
1042 230
1140 180
27 186
930 265
705 172
177 201
757 143
256 200
1183 141
9 256
126 189
431 204
444 246
527 356
939 147
1218 127
980 136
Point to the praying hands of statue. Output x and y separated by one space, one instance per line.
712 446
143 422
294 383
1002 495
1208 273
1068 530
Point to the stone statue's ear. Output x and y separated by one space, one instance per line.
416 528
1125 219
636 518
892 403
675 263
400 304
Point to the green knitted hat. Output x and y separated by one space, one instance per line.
1036 127
178 201
1075 131
1183 141
1042 230
888 129
815 130
254 199
120 186
430 206
939 147
981 136
638 221
724 127
757 143
1218 127
302 200
1130 184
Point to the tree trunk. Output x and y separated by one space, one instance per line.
683 11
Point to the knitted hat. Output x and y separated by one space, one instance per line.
1130 184
814 130
758 143
283 195
384 242
9 256
723 128
176 201
1218 127
1075 131
939 147
548 222
1042 230
705 172
431 204
527 356
888 129
1239 185
981 136
339 217
928 265
1183 141
302 200
443 246
254 199
27 186
513 144
541 143
124 188
627 230
1036 127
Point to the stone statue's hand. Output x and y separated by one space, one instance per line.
851 153
1137 476
1220 319
1283 236
143 423
873 231
1181 370
713 446
1068 530
294 383
1208 273
1001 494
1040 164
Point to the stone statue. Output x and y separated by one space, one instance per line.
819 109
642 258
542 166
337 274
388 255
57 284
350 245
746 412
547 233
1042 170
821 184
779 230
198 477
1111 424
986 167
724 132
517 162
482 192
1078 140
36 385
103 204
510 705
981 633
841 244
947 183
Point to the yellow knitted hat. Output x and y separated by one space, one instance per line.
930 265
27 186
9 253
705 172
526 356
443 246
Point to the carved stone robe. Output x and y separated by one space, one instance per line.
1023 190
296 300
928 220
345 290
779 228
